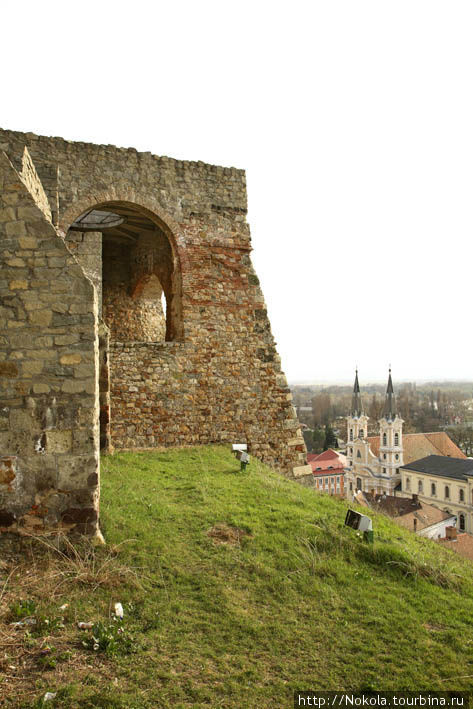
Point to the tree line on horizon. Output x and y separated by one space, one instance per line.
423 409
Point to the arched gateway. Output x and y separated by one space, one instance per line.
131 317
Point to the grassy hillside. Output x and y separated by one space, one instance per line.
237 589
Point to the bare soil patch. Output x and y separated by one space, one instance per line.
222 533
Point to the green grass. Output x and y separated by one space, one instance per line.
300 602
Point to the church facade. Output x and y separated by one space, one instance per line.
374 462
377 473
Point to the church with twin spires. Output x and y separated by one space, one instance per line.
373 463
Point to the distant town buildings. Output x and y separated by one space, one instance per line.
413 514
423 480
374 463
328 470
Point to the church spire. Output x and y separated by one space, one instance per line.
389 411
356 403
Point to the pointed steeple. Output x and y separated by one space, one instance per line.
389 411
356 403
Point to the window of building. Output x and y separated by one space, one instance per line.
396 439
384 456
358 484
384 471
461 495
447 492
461 520
397 456
351 434
326 482
385 439
420 486
358 454
351 487
408 483
362 433
351 450
433 489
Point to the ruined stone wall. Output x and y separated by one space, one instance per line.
224 385
183 394
49 466
220 379
131 313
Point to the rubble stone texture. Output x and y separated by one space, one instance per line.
89 358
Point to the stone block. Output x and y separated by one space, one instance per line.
59 441
73 358
73 471
31 368
66 339
28 242
72 386
301 470
15 229
18 285
9 370
40 388
7 214
295 442
20 420
40 317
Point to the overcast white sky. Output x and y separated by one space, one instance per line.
353 120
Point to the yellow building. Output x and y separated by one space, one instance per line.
444 482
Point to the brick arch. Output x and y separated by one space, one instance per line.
127 195
150 208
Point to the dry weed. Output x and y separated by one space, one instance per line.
48 650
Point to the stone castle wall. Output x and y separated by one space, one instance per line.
49 465
216 375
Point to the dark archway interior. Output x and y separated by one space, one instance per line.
128 256
130 259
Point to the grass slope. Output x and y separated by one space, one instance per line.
299 602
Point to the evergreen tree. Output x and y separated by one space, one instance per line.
318 438
308 438
330 437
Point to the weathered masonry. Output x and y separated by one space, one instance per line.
130 317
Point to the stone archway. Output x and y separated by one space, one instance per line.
132 259
149 247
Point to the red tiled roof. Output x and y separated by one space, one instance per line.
420 445
463 545
329 461
374 444
329 454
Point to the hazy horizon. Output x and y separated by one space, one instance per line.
368 382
